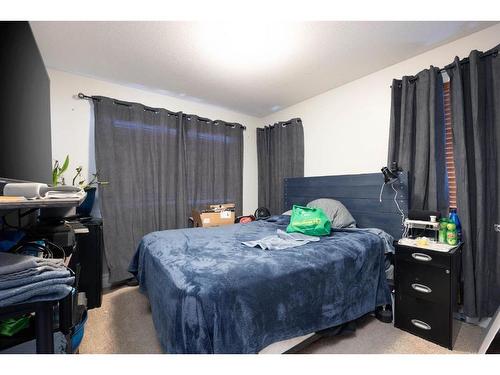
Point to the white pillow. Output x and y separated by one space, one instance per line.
336 212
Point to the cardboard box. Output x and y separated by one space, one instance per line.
215 216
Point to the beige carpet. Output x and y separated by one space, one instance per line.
123 325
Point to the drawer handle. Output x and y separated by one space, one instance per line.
421 257
420 324
421 288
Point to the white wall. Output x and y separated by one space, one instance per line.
346 129
72 123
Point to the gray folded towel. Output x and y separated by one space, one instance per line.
25 279
51 262
20 290
30 272
11 263
48 293
31 279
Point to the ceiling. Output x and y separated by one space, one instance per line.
249 67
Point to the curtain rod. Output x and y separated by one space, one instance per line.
230 124
282 123
464 61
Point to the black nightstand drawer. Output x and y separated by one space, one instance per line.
423 318
427 292
423 281
423 256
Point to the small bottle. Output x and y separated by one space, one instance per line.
443 223
451 234
454 219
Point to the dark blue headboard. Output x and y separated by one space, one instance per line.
359 193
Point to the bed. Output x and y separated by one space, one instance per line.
209 293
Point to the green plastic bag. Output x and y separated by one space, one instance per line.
11 326
310 221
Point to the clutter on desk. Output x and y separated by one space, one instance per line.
35 190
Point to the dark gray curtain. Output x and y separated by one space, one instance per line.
280 154
160 165
416 137
214 163
475 99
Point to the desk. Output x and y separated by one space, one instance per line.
41 203
44 311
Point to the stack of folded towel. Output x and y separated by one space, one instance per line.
26 279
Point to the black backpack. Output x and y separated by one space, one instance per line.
262 213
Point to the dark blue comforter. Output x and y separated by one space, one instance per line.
211 294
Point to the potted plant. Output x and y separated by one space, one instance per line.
58 170
90 188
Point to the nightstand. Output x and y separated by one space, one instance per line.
427 293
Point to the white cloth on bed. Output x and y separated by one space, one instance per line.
282 240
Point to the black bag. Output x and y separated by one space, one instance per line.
262 213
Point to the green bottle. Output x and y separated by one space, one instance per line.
443 223
451 234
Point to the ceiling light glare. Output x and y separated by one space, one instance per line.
247 45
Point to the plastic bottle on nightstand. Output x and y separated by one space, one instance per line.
443 223
453 217
451 234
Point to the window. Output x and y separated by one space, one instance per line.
449 157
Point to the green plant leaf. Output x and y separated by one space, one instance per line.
54 177
55 174
65 165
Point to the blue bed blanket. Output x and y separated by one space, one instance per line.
209 293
